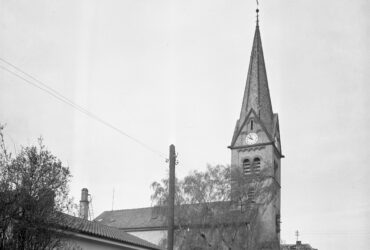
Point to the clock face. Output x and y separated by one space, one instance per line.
251 138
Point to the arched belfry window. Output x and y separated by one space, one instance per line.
256 165
246 167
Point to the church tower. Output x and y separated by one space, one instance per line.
256 149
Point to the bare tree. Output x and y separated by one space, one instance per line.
216 209
33 193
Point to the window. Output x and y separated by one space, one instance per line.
251 124
256 165
278 223
251 194
246 167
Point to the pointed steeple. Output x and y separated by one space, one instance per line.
256 149
256 93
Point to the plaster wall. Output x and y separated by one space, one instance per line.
82 243
154 236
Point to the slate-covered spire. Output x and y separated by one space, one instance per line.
256 94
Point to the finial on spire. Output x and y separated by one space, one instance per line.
257 11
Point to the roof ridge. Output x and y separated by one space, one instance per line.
126 209
142 208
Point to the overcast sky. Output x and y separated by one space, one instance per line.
170 71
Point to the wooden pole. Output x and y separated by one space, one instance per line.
171 200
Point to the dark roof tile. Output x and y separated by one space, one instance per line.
132 218
93 228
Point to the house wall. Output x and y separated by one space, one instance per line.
81 242
153 236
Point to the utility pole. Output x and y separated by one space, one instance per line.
171 200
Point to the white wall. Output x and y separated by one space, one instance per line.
152 236
81 242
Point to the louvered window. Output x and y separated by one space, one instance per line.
257 165
278 222
246 167
251 194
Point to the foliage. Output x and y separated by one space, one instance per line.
33 193
213 209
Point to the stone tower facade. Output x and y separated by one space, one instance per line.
256 149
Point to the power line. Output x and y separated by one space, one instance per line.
69 102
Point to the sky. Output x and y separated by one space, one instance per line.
171 71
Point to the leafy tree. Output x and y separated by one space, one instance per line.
213 209
33 194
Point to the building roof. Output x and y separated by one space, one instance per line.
297 246
92 228
256 96
151 218
256 93
132 218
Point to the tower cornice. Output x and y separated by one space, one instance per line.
258 145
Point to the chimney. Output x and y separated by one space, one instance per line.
84 204
298 243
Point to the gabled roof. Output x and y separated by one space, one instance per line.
132 218
150 218
78 225
240 125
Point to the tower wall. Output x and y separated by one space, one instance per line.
268 199
256 151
